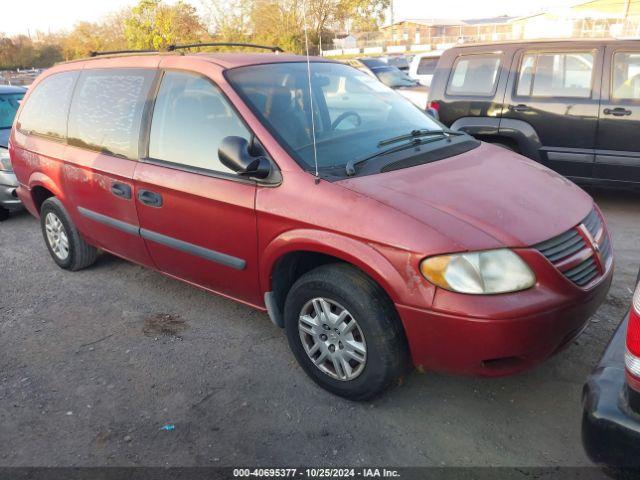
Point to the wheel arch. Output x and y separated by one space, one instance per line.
42 187
295 252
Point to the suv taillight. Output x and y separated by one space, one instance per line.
434 105
632 355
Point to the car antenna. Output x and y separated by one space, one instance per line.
313 121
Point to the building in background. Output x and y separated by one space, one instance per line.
592 19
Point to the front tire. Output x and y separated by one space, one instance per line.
67 248
345 332
4 214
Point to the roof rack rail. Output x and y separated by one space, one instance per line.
274 49
115 52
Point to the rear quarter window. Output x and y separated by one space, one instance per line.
556 74
106 111
45 110
474 75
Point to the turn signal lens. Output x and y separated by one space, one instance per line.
488 272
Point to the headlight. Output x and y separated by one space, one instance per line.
493 271
5 161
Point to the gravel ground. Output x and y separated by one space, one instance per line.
94 363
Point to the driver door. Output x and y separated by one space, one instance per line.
197 217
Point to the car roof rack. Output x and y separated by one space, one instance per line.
116 52
274 49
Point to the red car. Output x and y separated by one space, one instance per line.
372 234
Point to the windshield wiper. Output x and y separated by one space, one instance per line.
415 141
417 134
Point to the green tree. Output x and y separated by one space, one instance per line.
154 25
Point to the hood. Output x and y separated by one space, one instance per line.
4 137
504 195
418 95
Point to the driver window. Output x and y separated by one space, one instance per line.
190 119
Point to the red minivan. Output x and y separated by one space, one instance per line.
374 235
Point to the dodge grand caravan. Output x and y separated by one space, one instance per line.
373 235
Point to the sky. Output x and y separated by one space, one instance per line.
28 16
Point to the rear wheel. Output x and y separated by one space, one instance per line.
66 246
4 214
344 332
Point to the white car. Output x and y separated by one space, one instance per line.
423 66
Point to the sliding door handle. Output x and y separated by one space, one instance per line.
121 190
152 199
520 108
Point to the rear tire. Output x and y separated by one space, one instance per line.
4 214
67 248
369 355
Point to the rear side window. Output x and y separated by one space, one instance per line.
556 75
45 112
475 75
190 119
626 76
427 66
107 108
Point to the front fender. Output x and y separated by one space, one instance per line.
405 286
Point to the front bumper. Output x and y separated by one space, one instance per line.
514 332
8 194
610 429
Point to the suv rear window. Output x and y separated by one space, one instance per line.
45 112
106 111
556 75
474 75
427 65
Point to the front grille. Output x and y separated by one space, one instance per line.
583 254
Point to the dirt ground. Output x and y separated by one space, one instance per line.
94 364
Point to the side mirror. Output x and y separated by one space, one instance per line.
234 154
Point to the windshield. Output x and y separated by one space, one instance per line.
393 77
353 112
9 103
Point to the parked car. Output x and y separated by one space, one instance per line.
401 62
339 217
574 105
10 98
611 397
394 78
423 67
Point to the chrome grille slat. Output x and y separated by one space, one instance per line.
576 271
560 249
565 249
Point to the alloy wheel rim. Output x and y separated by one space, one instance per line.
56 236
332 339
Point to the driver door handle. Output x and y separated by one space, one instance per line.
149 198
617 112
520 108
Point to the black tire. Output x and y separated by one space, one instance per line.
81 254
4 214
386 351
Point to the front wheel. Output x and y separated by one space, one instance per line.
344 332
